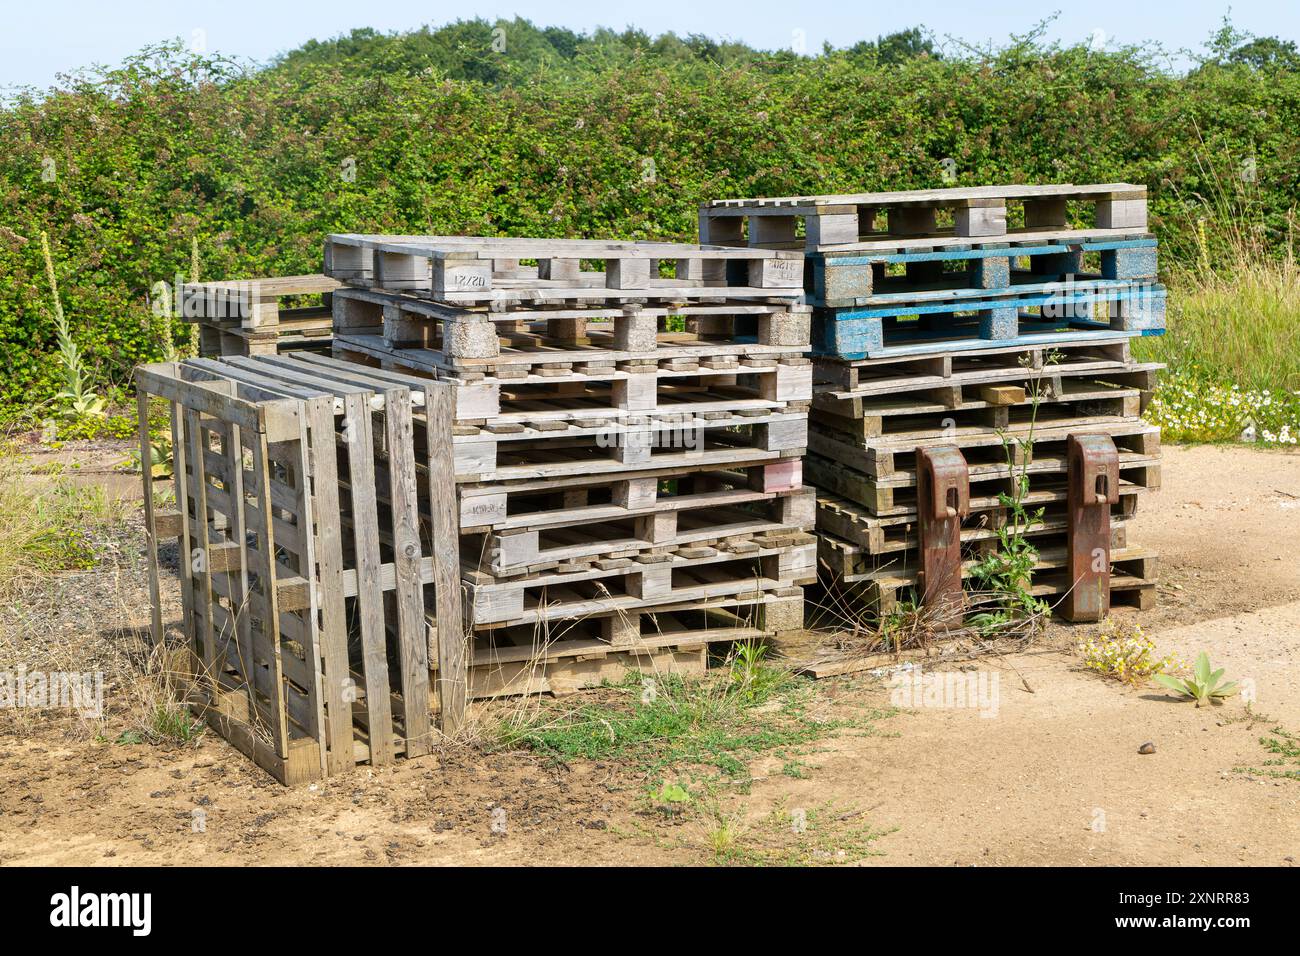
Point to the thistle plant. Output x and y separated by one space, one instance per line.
80 400
1007 572
194 277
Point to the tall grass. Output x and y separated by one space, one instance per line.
47 525
1233 339
1234 316
1234 286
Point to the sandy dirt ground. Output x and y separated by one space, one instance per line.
1053 777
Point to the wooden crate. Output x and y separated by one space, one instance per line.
299 532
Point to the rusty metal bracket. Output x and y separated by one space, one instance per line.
1094 486
942 501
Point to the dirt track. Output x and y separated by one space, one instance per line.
1054 778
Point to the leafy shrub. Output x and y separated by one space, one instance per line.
616 135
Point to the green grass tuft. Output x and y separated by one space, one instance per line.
48 525
720 722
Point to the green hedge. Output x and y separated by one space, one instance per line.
170 147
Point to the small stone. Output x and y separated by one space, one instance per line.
1147 748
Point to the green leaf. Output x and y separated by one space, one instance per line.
1173 683
1203 668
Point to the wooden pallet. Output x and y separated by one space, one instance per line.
249 316
1132 580
1132 576
459 339
885 459
991 385
1008 406
470 270
852 563
904 423
934 323
568 391
876 534
884 277
650 580
719 516
292 560
844 378
630 443
578 499
306 328
564 657
925 218
883 480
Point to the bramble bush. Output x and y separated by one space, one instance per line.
561 135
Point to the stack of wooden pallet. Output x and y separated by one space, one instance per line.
971 319
590 469
249 316
629 424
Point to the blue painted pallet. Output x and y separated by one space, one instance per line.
854 279
963 324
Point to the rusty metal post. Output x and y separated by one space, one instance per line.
1094 487
942 500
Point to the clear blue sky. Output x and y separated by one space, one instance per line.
40 39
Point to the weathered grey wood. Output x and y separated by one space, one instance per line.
150 529
310 639
358 438
266 571
236 532
213 398
336 679
181 482
950 196
404 507
198 561
453 678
